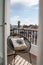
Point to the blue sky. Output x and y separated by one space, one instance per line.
24 10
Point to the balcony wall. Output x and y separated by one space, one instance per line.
34 50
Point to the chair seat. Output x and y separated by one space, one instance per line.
19 43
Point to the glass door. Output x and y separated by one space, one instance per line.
1 32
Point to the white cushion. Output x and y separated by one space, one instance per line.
19 43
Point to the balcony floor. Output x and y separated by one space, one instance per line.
22 59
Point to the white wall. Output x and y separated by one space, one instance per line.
40 37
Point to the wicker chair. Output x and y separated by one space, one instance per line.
16 52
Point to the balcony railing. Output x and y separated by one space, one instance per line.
31 34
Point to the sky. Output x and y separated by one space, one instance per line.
25 11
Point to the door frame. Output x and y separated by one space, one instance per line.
4 43
5 3
6 6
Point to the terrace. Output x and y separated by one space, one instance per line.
23 59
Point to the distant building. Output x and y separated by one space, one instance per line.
30 26
18 24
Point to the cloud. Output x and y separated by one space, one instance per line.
14 20
25 2
26 21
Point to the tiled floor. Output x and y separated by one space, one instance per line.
22 59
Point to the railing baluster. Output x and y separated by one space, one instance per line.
33 37
28 34
36 38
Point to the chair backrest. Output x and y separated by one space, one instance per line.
10 43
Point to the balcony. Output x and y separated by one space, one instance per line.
23 59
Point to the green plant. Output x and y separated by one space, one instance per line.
15 33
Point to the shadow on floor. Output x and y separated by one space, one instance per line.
22 59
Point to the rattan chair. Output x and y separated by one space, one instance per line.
16 52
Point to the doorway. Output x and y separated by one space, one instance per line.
24 14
